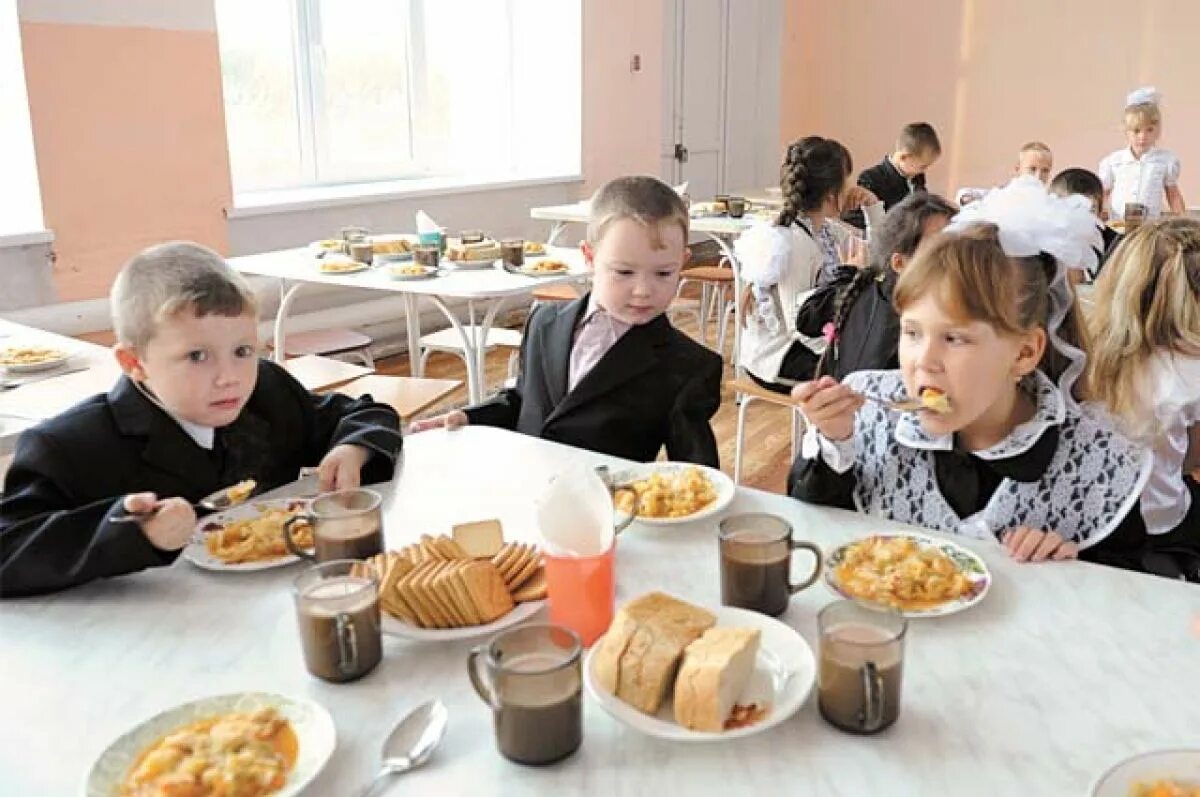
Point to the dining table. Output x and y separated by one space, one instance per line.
29 397
1062 669
486 288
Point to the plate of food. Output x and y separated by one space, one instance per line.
340 264
328 245
534 249
1160 773
484 252
917 574
676 671
543 267
412 271
24 359
670 493
282 743
393 247
249 536
458 587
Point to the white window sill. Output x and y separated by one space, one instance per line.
261 203
31 238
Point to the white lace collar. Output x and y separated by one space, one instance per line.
1050 410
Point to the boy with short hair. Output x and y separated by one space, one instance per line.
608 371
1036 159
902 172
1088 184
196 410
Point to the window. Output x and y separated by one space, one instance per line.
345 91
21 200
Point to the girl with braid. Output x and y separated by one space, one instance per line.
855 313
805 247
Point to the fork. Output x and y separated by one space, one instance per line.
899 404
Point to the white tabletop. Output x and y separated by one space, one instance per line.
24 406
1061 670
578 213
299 265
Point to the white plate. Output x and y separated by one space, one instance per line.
528 272
471 265
198 554
313 726
1119 780
393 626
783 678
426 273
977 571
723 484
28 368
357 268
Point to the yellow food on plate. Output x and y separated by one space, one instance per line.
241 491
230 755
669 495
340 265
257 539
411 270
390 245
935 400
487 249
1166 788
330 244
30 356
547 266
535 248
900 572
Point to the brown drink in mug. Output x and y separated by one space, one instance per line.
532 679
347 524
756 562
337 611
512 252
861 666
1135 216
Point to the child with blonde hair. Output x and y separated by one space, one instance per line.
982 310
1142 172
1145 371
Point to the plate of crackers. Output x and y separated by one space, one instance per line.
468 584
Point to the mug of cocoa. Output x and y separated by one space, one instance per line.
337 610
347 524
512 252
861 654
756 562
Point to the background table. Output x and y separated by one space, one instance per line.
485 290
1061 670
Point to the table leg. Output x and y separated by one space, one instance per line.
288 297
555 230
412 319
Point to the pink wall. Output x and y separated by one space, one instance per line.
129 130
990 75
622 110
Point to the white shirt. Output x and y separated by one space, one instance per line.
1142 179
1176 397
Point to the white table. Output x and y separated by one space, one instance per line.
1064 667
486 291
717 227
22 407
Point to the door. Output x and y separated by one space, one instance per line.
695 59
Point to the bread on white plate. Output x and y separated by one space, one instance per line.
714 673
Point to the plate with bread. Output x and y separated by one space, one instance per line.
677 671
477 254
671 493
468 584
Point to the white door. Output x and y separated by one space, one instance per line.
696 60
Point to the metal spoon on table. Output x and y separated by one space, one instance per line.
219 501
411 742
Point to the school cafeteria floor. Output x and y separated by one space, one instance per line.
765 461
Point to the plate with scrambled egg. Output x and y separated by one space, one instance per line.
251 744
1160 773
917 574
248 537
23 359
670 493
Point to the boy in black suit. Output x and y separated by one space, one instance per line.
608 372
196 410
903 171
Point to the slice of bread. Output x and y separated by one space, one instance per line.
480 540
715 671
638 657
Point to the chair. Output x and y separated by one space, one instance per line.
449 341
558 292
746 390
408 395
330 342
322 373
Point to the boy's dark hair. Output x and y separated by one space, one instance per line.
1078 181
813 168
918 138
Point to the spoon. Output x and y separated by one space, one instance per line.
221 500
411 742
903 404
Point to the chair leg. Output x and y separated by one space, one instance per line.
365 354
422 362
739 439
797 427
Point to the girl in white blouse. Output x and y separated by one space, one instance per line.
1144 367
1142 171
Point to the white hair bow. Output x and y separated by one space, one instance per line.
1146 95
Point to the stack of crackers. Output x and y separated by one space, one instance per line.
472 578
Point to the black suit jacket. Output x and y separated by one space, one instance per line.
654 387
70 473
886 182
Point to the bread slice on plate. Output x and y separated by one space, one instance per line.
639 655
715 671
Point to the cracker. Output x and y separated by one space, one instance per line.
534 589
482 539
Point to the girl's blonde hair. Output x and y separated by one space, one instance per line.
975 280
1145 113
1147 302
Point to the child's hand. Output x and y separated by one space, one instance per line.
341 468
450 420
169 523
853 251
828 405
858 197
1030 545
